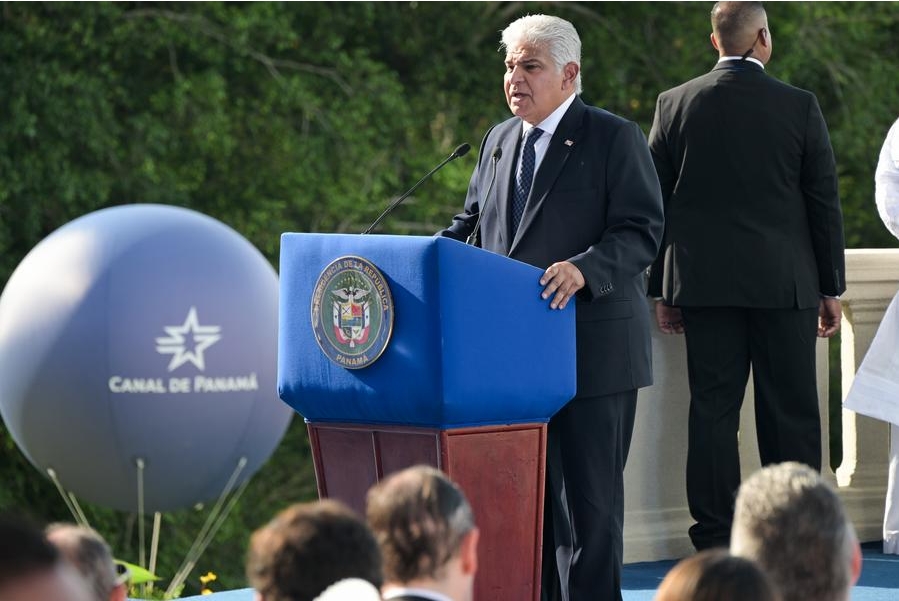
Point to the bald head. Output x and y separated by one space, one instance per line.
736 25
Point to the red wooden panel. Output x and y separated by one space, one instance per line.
345 465
501 472
397 449
500 468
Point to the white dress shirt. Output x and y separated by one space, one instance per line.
394 593
740 58
548 126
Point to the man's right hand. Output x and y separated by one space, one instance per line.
830 313
669 319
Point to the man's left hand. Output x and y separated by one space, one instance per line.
561 281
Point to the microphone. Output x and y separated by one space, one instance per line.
473 238
461 150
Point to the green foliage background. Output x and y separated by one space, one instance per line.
276 117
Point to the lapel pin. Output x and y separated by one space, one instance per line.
569 142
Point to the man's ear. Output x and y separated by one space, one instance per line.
119 592
714 41
856 562
569 73
468 552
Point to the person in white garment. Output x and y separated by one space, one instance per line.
875 390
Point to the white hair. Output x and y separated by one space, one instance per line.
792 522
557 36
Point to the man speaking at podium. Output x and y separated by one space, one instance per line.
571 189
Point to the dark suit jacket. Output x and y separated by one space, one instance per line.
595 202
752 212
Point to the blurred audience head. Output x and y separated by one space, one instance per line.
88 553
793 524
426 531
32 569
308 547
716 575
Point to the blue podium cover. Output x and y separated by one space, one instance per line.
472 342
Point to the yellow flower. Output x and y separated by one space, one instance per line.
209 577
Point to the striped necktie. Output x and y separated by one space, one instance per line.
525 177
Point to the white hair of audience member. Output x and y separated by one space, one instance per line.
791 522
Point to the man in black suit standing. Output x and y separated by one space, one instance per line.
752 262
576 195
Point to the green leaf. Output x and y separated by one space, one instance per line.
137 574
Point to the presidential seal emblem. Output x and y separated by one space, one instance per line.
352 312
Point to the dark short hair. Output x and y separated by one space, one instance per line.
731 21
309 546
420 518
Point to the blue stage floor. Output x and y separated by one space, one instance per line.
879 580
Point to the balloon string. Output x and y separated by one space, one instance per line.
52 474
83 518
198 545
154 546
211 534
139 463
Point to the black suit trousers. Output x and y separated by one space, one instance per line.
586 450
722 344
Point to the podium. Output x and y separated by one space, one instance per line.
474 366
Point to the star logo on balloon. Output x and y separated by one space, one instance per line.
187 342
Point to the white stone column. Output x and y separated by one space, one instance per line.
655 498
872 278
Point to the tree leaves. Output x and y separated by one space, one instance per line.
307 116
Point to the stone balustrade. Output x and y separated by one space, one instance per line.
656 515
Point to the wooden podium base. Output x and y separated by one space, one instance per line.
500 469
